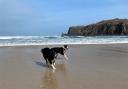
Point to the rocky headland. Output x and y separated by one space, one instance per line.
105 27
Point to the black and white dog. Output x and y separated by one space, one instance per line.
50 54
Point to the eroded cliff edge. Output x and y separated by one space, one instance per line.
105 27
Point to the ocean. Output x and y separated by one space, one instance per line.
53 40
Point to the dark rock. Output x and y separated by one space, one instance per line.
106 27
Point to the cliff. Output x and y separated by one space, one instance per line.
106 27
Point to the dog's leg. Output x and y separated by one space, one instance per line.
65 56
54 63
53 67
56 56
47 62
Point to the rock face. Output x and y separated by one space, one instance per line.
106 27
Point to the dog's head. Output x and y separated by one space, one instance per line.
66 47
63 49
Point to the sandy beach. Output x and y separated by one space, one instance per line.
101 66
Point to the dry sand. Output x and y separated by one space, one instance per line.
88 67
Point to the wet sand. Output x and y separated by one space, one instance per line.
88 67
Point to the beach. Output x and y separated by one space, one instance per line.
90 66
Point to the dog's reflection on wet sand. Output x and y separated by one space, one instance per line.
51 78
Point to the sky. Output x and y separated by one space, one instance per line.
52 17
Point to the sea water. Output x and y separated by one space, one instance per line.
53 40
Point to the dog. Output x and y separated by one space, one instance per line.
60 50
49 56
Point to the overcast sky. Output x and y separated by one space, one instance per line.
52 17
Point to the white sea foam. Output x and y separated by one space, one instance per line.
53 40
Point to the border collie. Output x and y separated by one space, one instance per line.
50 54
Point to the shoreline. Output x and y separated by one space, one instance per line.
60 44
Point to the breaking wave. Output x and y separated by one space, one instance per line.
51 40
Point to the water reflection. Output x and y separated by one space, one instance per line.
52 79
